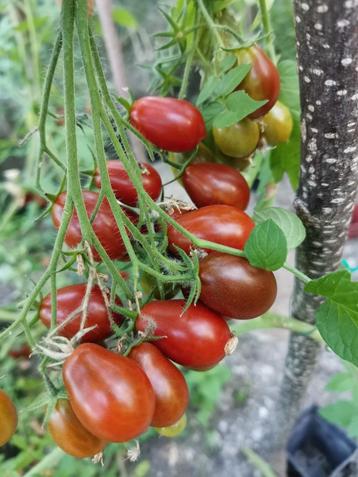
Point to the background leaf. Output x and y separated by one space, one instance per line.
266 247
288 222
337 317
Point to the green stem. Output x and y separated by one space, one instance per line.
188 63
74 189
267 27
300 275
272 320
50 461
210 22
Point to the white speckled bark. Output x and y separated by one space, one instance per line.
327 39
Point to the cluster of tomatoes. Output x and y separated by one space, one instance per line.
114 397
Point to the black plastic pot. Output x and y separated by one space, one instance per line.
317 448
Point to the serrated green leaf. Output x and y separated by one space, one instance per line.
337 317
210 112
266 247
286 157
208 89
225 119
288 222
231 80
227 63
242 103
123 17
340 413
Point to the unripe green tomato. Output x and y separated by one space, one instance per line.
239 140
175 429
277 124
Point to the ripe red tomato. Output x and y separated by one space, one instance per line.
123 187
21 351
277 124
231 286
169 385
69 434
171 124
8 418
109 393
196 338
239 140
69 299
104 225
222 224
209 184
263 80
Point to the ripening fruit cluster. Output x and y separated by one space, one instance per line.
114 397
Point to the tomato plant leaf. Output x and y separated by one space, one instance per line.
337 317
225 119
210 111
227 63
267 246
208 89
288 222
243 104
231 80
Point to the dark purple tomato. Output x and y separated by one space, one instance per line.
234 288
209 184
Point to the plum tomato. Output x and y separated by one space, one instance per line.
197 338
222 224
171 124
239 140
209 184
8 418
109 393
262 81
69 434
169 385
234 288
123 187
70 299
277 124
104 225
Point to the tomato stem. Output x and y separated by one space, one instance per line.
266 22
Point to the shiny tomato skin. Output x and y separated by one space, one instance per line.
68 300
239 140
104 225
69 434
171 124
195 339
209 184
231 286
277 124
169 385
222 224
8 418
123 187
262 81
109 393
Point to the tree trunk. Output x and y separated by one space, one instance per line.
327 39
